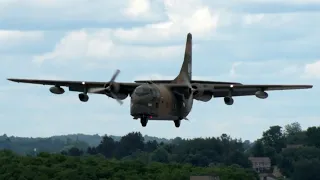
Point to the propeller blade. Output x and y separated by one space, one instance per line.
116 98
97 90
115 75
107 88
119 101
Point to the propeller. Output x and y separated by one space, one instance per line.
108 87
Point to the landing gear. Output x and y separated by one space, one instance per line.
177 123
144 121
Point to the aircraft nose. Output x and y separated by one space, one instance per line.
141 105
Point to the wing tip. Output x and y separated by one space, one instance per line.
13 80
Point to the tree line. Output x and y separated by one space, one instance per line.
47 166
57 143
295 151
219 153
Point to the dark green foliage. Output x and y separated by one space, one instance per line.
57 166
289 157
94 140
313 136
307 169
55 144
300 162
161 159
27 146
198 152
274 138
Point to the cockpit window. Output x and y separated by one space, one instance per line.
143 90
147 89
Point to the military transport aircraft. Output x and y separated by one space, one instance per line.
164 99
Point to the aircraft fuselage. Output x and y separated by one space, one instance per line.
158 102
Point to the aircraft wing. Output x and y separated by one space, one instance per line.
192 81
247 90
79 86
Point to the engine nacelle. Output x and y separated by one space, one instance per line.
199 93
83 97
115 87
228 100
261 94
120 96
56 90
204 97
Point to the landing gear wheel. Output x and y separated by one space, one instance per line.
177 123
144 121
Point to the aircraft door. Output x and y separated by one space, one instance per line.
162 106
156 102
165 104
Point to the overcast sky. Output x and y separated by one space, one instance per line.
249 41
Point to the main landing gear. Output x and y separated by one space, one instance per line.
177 123
144 121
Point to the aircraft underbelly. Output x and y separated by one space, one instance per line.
165 118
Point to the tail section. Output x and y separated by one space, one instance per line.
186 68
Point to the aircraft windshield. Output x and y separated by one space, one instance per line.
143 90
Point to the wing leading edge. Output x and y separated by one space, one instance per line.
246 90
217 90
91 86
192 81
79 85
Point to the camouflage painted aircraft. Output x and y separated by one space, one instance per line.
164 99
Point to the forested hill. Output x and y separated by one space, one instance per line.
294 151
57 143
94 140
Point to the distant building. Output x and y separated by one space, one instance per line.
210 177
261 164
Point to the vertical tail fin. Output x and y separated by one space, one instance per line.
186 68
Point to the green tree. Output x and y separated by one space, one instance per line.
306 169
313 136
107 147
160 155
258 149
56 166
274 137
293 128
289 157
